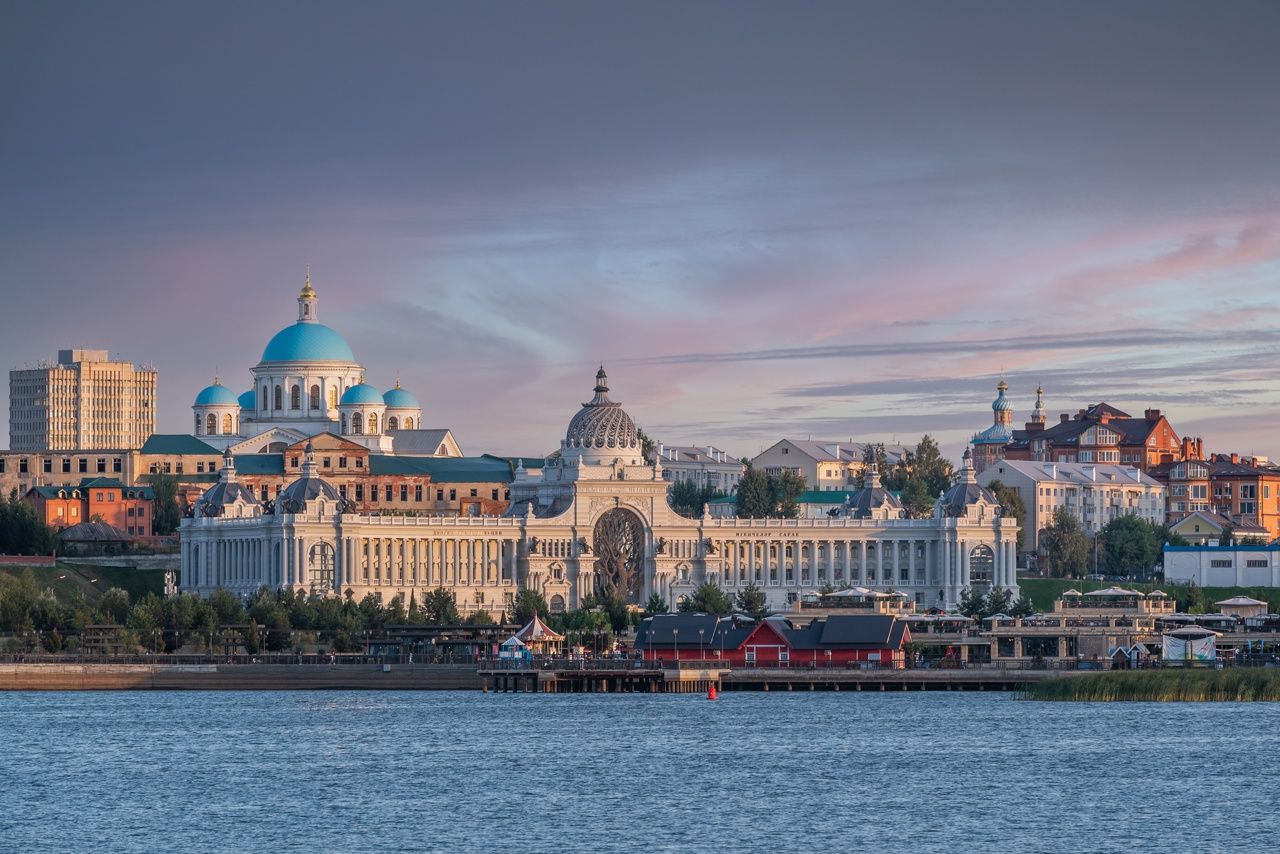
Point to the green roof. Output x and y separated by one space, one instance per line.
812 496
259 463
176 443
444 469
101 483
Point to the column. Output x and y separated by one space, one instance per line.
862 562
964 564
911 562
897 558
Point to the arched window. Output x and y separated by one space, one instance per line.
265 401
197 425
408 424
295 397
393 423
557 604
227 427
344 425
333 398
279 398
211 424
315 397
373 422
357 423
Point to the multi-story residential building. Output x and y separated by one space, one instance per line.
1094 494
84 401
127 508
824 465
1188 485
1100 434
708 466
1246 490
21 470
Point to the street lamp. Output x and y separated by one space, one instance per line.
675 634
700 652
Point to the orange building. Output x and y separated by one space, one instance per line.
1101 434
129 508
1246 491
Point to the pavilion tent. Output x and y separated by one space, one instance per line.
540 638
514 649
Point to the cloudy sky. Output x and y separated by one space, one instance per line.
767 219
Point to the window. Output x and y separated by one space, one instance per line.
315 397
373 492
293 462
373 422
359 492
453 495
357 423
439 495
228 427
408 424
393 423
506 495
343 421
359 462
404 492
342 490
66 465
111 497
199 468
1256 562
1218 563
264 492
326 462
495 495
279 398
417 493
333 398
264 399
116 465
473 493
342 462
387 492
48 465
211 424
295 397
102 465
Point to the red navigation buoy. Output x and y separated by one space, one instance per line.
711 694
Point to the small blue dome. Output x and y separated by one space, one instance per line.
215 395
361 395
248 400
1002 404
307 342
996 434
398 398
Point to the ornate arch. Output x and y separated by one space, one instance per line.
618 541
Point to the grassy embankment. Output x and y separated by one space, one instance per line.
66 579
1192 684
1043 592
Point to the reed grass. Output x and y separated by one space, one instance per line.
1164 685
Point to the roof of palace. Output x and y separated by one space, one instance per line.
601 422
176 443
307 342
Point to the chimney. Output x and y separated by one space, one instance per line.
1235 458
1153 414
1080 414
1052 470
1104 417
1065 417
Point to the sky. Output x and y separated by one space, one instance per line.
829 220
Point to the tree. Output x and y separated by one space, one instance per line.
785 489
1228 532
530 604
1022 607
648 447
166 513
655 605
916 499
22 531
688 499
972 603
752 601
875 454
708 599
1065 545
1012 506
754 498
440 608
1130 543
480 618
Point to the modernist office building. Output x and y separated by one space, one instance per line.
84 401
593 519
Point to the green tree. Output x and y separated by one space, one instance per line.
1022 607
648 447
751 600
1012 506
528 604
785 488
875 454
114 606
166 513
440 608
480 618
916 499
1065 545
709 598
688 499
655 605
754 497
252 639
22 531
1130 543
972 603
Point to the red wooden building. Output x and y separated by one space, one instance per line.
838 640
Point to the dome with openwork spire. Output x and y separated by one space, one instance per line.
602 423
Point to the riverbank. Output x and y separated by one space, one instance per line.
1164 685
237 677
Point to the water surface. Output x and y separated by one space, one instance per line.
461 771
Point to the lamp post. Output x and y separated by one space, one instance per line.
675 634
700 652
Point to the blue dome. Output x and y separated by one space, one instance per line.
215 395
398 398
996 434
1002 404
363 395
248 400
307 342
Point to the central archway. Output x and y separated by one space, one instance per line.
618 543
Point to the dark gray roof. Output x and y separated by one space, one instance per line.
871 498
93 532
848 631
293 498
221 494
717 632
961 495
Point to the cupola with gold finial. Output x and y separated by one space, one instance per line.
307 302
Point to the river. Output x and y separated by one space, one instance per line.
465 771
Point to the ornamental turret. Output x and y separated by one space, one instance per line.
307 302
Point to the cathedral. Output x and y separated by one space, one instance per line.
590 519
308 382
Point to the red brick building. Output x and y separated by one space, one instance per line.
1102 434
128 508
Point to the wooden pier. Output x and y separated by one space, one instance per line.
603 677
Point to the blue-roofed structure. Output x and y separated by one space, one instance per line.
361 395
216 395
307 342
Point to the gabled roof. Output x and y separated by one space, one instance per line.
176 443
665 630
93 532
431 442
101 483
1133 431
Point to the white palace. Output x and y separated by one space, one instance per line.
593 519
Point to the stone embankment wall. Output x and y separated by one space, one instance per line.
266 677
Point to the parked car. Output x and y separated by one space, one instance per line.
1095 577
